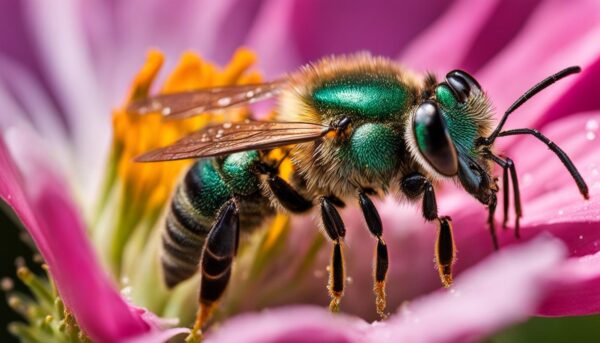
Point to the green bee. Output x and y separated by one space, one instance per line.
353 127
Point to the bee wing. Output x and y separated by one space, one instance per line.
187 104
229 138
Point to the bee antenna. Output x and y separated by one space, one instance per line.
523 99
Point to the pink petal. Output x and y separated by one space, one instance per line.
579 279
337 27
40 202
504 289
445 44
541 50
290 324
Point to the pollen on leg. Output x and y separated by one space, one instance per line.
380 299
202 316
445 251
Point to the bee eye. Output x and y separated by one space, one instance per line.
461 84
433 139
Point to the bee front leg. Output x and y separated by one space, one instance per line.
335 229
414 185
381 253
217 258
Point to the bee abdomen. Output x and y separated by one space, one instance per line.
183 239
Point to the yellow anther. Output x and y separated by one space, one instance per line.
150 185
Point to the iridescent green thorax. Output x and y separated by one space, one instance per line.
206 188
374 148
368 95
462 127
237 170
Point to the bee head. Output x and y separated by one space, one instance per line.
445 127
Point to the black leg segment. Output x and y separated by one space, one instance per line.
445 251
336 230
508 168
491 222
413 186
217 258
332 222
381 253
287 196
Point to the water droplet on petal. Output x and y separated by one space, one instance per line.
561 212
590 135
592 125
580 237
227 125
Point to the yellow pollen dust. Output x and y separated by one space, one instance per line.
134 134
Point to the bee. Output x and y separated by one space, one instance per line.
354 127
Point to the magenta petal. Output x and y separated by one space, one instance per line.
504 289
445 44
540 50
290 324
53 221
579 292
336 27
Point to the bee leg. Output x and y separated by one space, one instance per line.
508 166
413 185
381 253
516 195
335 229
505 197
445 250
491 223
287 196
217 258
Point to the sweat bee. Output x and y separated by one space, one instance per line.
354 127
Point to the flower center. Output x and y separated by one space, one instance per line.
135 134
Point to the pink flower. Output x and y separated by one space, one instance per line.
66 64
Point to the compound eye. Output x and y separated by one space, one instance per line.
433 139
461 84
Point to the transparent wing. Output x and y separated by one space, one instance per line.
235 137
187 104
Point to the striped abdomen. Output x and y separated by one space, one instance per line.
207 186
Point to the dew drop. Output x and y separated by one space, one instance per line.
561 212
580 237
227 125
591 125
249 94
224 101
590 135
166 111
126 292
